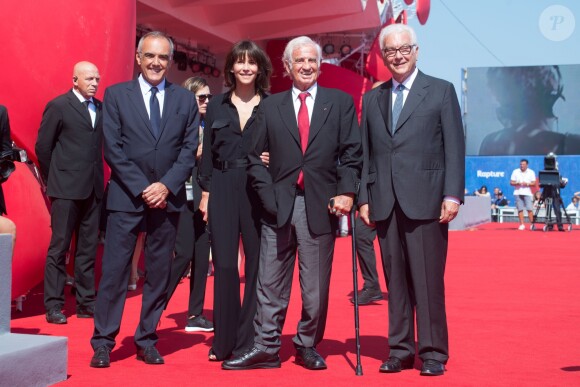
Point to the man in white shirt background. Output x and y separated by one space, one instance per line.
523 178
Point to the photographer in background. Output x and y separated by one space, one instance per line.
6 168
69 151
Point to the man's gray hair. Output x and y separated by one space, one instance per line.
155 34
299 42
396 28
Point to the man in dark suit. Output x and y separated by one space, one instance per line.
150 131
412 186
315 155
69 151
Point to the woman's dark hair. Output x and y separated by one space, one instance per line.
483 187
250 49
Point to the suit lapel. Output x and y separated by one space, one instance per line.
136 98
288 116
319 114
99 111
80 108
416 94
384 102
168 106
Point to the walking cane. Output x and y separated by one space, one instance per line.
358 370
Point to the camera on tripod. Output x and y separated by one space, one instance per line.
550 176
551 182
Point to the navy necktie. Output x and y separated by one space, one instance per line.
398 106
155 112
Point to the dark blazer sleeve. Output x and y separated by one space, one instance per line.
6 145
175 177
50 128
454 143
206 163
128 172
350 151
363 195
258 172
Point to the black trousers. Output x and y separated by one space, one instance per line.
233 212
67 216
122 231
365 249
191 246
414 253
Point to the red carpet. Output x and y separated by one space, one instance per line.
512 304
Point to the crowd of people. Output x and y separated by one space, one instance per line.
273 173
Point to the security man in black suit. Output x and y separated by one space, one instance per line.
69 151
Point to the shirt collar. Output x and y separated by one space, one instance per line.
312 91
146 86
407 82
80 96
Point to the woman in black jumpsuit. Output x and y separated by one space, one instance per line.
231 206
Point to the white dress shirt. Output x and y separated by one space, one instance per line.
146 91
92 107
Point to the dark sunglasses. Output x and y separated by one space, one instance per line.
203 97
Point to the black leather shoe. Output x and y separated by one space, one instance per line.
85 312
394 364
254 358
55 316
432 368
309 359
150 355
101 357
366 296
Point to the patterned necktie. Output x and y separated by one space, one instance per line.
303 129
154 112
398 106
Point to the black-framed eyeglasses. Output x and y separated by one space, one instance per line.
203 97
404 50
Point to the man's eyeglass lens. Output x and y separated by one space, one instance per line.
404 50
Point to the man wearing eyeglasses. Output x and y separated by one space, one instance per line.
412 186
313 138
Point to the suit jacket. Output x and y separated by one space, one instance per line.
138 159
331 163
423 161
5 148
69 149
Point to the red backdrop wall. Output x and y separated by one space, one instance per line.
42 42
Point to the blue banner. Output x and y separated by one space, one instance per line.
495 171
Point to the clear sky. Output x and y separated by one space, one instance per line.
470 33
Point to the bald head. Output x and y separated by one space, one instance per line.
86 79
